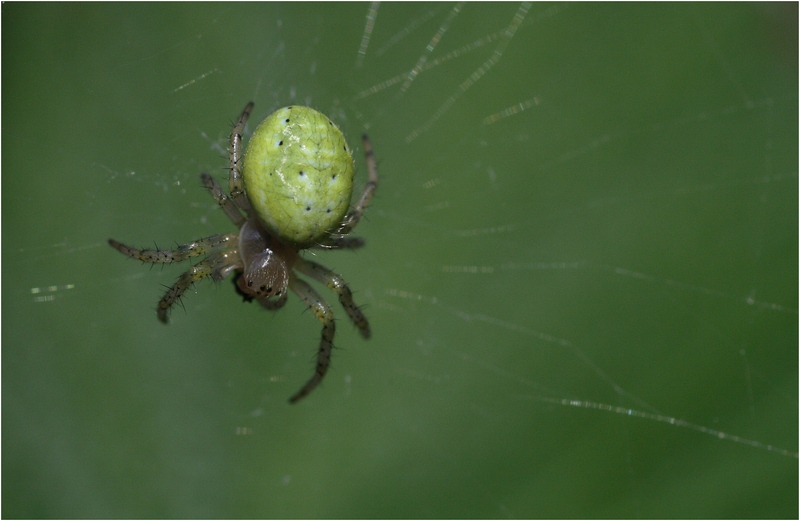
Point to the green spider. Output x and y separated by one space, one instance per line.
294 190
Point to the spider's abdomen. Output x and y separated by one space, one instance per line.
298 174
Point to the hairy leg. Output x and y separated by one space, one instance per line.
323 312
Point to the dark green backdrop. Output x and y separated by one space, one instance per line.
588 202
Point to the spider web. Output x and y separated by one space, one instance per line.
580 270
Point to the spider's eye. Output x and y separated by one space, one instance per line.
265 275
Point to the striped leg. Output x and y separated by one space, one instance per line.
336 283
323 312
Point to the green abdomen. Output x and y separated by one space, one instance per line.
298 174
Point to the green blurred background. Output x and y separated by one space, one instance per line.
598 204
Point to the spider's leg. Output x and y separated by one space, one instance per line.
353 216
182 252
335 243
235 180
225 202
335 282
323 312
213 266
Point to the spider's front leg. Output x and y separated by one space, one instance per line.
217 265
323 312
335 282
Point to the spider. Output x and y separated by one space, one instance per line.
290 192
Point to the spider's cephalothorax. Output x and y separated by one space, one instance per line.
291 191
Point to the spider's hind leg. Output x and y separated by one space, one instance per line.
181 253
342 242
224 202
353 216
